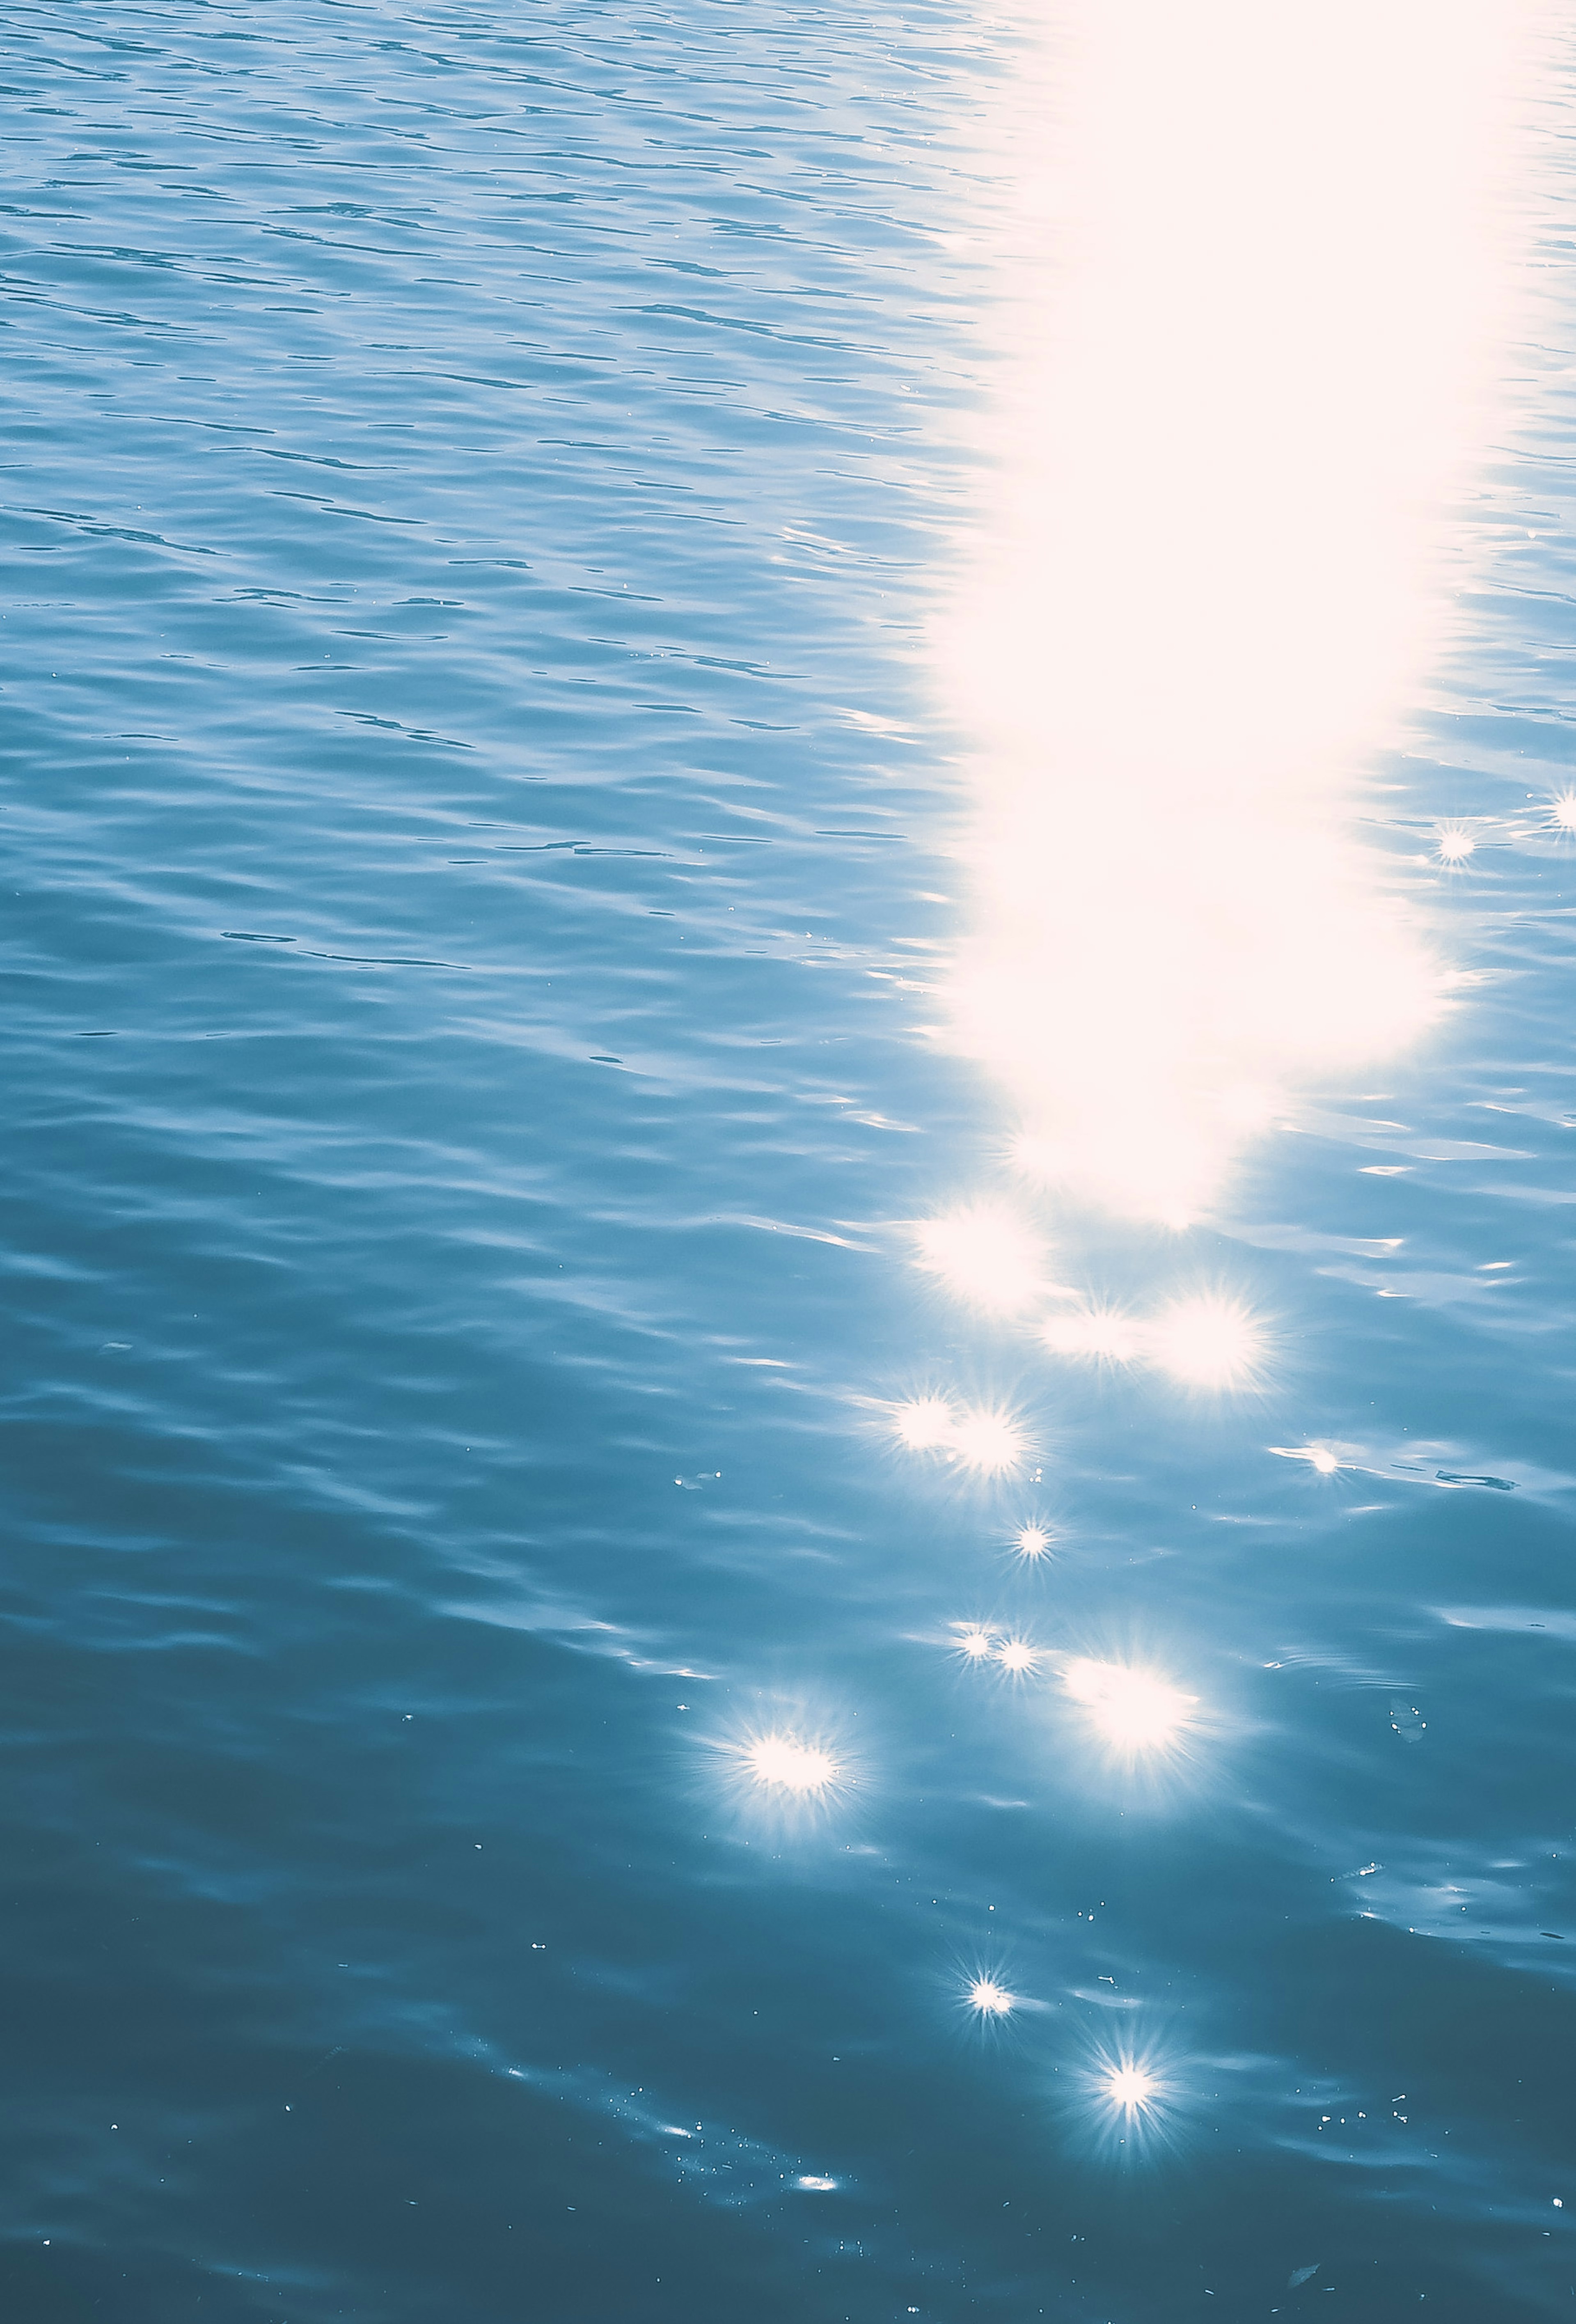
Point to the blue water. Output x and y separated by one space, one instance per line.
481 837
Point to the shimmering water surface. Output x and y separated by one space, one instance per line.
789 1208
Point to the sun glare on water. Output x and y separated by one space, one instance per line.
782 1763
1207 571
1132 1709
1208 1342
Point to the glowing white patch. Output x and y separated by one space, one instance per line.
1033 1542
975 1644
1172 895
1321 1458
788 1765
817 2186
990 1998
989 1441
1453 843
1563 811
1209 1342
1094 1331
925 1424
1131 2088
1017 1655
1131 1708
984 1255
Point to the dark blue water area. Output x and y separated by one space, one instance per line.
482 839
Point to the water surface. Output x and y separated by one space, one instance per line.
497 844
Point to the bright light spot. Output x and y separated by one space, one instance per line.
1017 1655
975 1644
1209 1342
1033 1542
1171 898
1132 1709
788 1765
1131 2088
925 1424
817 2186
989 1441
984 1255
989 1998
1096 1332
1454 843
1563 811
1323 1459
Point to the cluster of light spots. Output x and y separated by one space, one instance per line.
1133 1709
1032 1542
982 1255
1016 1655
1454 843
981 1438
989 1999
782 1763
1208 1341
1100 1333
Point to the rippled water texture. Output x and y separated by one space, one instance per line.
788 1215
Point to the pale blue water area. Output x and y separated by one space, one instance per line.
480 834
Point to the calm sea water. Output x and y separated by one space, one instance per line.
483 839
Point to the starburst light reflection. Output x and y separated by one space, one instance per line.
1131 2088
925 1424
986 1998
1133 1710
984 1256
782 1763
974 1645
1454 843
987 1441
1033 1543
1208 1342
1563 811
1016 1655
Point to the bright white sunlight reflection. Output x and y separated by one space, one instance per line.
783 1763
1134 1709
1208 1342
984 1256
925 1424
1249 293
988 1443
1130 2088
989 1999
1133 2098
983 1439
1032 1542
1016 1655
974 1645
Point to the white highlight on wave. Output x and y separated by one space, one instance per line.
1205 1340
1249 284
986 1439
